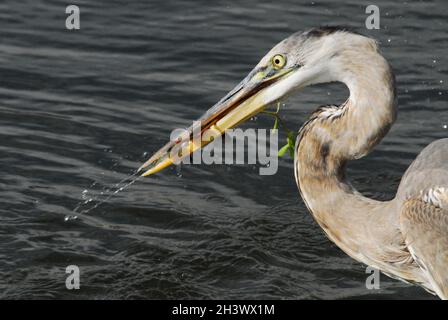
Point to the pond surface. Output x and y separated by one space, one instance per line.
81 110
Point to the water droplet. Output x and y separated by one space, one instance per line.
145 154
389 40
118 190
179 171
70 217
445 126
434 61
440 93
441 81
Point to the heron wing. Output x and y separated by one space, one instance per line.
425 230
423 193
429 171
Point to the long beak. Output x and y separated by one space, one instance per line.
245 100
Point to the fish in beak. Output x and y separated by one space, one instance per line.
264 85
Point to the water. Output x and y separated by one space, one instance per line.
104 196
79 109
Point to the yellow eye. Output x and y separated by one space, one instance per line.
278 61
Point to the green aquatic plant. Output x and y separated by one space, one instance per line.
290 135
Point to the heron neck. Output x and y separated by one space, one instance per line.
334 136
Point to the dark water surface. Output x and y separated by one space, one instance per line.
79 109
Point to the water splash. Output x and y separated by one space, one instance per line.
104 196
179 170
70 218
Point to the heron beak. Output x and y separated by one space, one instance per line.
244 101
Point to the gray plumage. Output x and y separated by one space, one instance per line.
407 237
423 193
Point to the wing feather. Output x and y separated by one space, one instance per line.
428 171
425 229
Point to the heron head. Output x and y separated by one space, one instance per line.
304 58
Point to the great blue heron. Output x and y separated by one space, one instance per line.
407 237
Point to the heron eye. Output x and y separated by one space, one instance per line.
278 61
